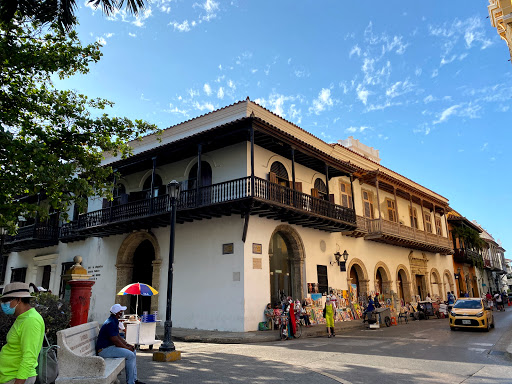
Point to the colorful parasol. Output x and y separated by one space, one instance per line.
139 289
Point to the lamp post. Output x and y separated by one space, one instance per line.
3 232
167 351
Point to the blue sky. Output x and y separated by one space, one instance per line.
428 84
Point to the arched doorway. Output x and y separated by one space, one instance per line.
448 283
403 283
138 258
382 280
357 280
142 273
286 254
206 175
435 284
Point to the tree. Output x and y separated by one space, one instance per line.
52 141
60 12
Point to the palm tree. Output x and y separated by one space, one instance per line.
61 12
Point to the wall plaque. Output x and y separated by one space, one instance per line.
256 263
227 248
256 248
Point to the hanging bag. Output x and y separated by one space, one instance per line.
47 364
325 310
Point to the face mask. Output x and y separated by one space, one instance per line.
6 307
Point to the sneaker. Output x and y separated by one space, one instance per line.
329 336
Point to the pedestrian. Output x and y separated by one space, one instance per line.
504 300
110 344
290 310
18 358
304 314
450 301
490 303
269 316
330 308
428 298
499 301
466 294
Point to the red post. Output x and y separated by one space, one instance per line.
80 300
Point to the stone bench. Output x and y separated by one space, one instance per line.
78 363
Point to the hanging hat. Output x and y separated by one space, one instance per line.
16 290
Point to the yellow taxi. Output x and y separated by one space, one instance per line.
471 313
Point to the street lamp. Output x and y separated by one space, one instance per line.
173 190
3 263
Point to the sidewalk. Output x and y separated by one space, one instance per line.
223 337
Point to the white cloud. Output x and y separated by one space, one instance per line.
322 101
429 99
132 34
204 106
399 88
355 50
109 35
484 146
180 27
210 7
139 20
254 70
435 73
301 73
447 113
220 93
360 129
231 84
207 89
192 93
176 110
418 71
101 40
362 94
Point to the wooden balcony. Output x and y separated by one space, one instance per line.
389 232
466 255
32 237
240 196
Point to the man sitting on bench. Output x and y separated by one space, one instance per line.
110 344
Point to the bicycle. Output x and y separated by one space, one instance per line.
283 328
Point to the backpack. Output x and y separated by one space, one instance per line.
47 364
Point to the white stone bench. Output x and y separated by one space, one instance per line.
78 363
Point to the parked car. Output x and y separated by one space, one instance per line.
471 313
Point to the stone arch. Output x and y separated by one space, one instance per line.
386 278
362 275
436 286
193 161
296 257
402 274
124 265
448 283
147 174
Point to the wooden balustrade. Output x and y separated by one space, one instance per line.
224 192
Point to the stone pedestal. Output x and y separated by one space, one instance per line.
80 301
166 356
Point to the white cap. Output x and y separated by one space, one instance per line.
117 308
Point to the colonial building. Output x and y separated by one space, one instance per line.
265 209
500 14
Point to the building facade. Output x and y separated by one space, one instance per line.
500 14
265 209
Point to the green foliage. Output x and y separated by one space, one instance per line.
55 312
48 136
470 237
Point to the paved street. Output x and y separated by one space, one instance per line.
419 352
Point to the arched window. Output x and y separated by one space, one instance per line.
158 188
119 195
206 175
279 174
321 190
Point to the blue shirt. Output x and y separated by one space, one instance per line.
109 329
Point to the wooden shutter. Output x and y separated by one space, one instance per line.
391 210
428 222
367 205
413 214
439 230
298 186
331 198
346 195
314 192
272 177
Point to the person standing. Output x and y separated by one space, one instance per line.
292 326
269 316
18 358
490 303
329 316
450 301
110 344
499 301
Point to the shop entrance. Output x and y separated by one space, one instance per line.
142 273
286 260
280 274
420 286
403 284
357 281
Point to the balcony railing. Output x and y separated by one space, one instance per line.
469 256
211 195
381 227
32 236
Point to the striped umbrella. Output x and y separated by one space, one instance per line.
139 289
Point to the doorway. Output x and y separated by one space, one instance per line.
142 273
420 286
280 272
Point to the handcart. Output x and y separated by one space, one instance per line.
384 316
425 309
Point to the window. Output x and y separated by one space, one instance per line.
320 190
18 275
65 267
428 221
439 229
279 174
413 214
346 195
156 187
390 204
368 204
323 284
